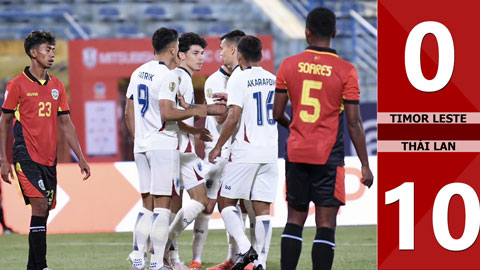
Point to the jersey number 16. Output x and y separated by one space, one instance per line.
269 104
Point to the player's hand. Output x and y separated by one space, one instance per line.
367 176
220 98
6 172
213 155
201 111
84 168
204 135
181 101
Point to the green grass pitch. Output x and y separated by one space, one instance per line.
356 249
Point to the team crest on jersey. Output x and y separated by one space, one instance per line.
55 94
172 86
41 185
209 92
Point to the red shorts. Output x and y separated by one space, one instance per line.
37 181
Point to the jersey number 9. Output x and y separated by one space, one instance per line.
143 98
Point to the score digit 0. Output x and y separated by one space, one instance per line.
446 56
404 194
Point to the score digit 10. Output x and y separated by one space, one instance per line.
404 194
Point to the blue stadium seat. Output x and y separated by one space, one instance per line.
127 31
111 14
218 29
14 14
156 13
202 13
180 29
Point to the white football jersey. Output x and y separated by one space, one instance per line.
186 141
216 83
149 84
256 137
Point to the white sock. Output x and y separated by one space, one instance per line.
141 233
159 236
233 223
232 248
263 232
172 251
200 232
251 219
185 216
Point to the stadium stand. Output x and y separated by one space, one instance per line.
75 19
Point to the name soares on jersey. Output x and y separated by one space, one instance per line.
315 69
260 82
145 76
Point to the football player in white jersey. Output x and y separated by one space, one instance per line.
151 116
252 173
191 49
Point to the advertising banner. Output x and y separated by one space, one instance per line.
109 201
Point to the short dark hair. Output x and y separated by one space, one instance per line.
37 38
233 36
251 48
163 37
186 40
321 22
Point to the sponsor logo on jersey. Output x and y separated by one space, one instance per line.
172 86
41 185
32 94
89 56
55 94
199 166
209 92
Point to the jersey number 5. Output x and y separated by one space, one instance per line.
44 109
269 104
143 98
307 100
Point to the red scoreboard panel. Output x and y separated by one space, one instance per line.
428 134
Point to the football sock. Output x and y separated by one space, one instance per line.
141 234
251 218
185 216
158 236
172 244
263 232
38 240
200 232
232 248
323 249
291 246
233 223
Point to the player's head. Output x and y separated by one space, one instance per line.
228 47
249 51
320 25
40 47
165 42
190 50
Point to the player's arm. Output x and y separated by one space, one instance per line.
67 128
212 109
5 121
234 114
357 134
279 105
130 117
170 113
203 133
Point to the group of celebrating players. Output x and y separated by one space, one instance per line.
244 102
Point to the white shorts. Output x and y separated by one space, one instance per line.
213 175
191 171
250 181
158 171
